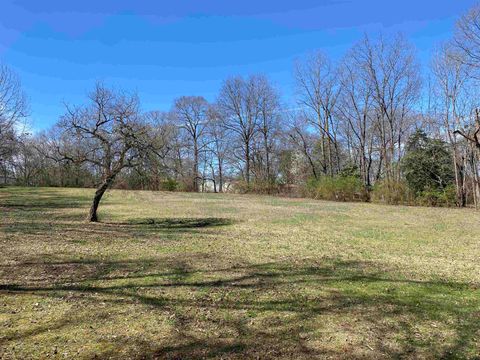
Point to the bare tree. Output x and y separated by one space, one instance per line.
318 90
356 108
192 114
467 42
159 165
393 74
13 110
270 123
467 39
239 101
108 133
471 133
29 162
219 147
452 81
304 142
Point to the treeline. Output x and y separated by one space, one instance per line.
371 126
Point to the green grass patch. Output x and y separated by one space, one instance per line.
177 275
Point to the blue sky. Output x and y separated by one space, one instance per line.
165 49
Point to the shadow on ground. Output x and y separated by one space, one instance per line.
179 223
334 308
212 305
29 206
168 228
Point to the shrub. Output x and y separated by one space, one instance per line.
256 187
264 187
435 197
427 166
241 187
391 192
169 185
350 171
398 192
340 188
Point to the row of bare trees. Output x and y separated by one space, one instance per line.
13 113
352 116
363 108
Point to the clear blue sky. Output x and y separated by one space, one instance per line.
164 49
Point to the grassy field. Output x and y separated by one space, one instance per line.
175 275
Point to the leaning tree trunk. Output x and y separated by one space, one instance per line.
92 216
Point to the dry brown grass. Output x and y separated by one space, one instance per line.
173 275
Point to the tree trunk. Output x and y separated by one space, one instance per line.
476 178
92 217
459 183
214 185
195 167
267 157
247 161
220 177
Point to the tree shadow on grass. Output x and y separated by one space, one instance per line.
33 199
178 223
27 205
272 310
34 204
138 228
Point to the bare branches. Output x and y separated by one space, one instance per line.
318 89
109 133
467 38
474 135
191 113
13 110
245 105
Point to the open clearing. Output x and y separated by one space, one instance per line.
177 275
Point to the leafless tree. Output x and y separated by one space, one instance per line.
471 133
270 123
29 162
191 112
303 142
219 147
240 103
467 42
108 133
159 165
452 82
393 74
318 89
467 39
356 109
13 111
